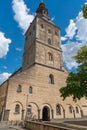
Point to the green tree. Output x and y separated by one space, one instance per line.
76 83
85 11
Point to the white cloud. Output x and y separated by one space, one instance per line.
4 76
69 50
71 29
22 14
4 45
81 24
52 18
86 3
76 30
18 49
63 38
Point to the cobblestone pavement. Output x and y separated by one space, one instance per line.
5 126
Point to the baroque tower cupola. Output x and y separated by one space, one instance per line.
42 10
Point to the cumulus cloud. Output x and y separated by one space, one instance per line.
81 24
75 37
4 45
69 50
4 76
22 14
70 30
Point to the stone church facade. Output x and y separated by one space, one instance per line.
32 92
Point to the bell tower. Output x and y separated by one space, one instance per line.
42 42
42 10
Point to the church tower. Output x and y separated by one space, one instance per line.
32 92
42 42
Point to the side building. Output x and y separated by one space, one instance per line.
33 91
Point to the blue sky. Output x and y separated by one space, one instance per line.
15 18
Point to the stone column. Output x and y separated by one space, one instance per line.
74 113
81 111
22 114
39 114
63 113
52 111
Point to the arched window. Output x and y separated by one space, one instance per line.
58 110
29 109
56 33
49 30
17 108
19 88
50 56
49 41
42 26
70 109
51 79
30 90
77 110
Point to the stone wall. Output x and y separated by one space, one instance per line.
41 126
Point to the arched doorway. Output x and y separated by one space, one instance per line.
46 114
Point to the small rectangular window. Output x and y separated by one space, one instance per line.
19 88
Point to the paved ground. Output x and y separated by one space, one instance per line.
11 128
6 128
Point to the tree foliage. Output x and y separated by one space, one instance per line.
76 83
85 11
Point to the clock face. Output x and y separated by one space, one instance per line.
85 11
